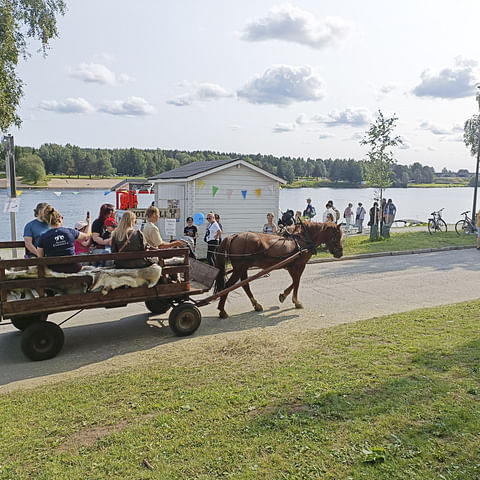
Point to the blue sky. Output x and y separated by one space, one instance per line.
303 78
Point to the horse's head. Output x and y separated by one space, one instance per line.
328 233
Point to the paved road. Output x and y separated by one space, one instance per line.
332 293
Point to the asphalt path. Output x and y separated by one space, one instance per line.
332 293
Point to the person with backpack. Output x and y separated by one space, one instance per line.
309 211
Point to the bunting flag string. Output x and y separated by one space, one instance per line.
214 190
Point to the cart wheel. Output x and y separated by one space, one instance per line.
184 319
158 305
23 322
41 341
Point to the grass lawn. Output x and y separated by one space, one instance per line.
396 397
398 241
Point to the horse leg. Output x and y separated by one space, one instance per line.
221 304
296 275
246 288
282 297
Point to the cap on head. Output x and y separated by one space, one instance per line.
110 222
81 224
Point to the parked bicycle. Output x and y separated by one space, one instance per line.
465 225
436 223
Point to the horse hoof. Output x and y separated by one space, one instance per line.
281 297
298 305
258 307
223 314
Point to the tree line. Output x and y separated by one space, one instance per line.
71 160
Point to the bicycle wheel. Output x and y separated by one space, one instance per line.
431 226
441 225
461 227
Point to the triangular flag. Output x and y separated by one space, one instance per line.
214 190
259 192
19 192
200 184
244 193
271 188
57 193
75 193
229 193
106 192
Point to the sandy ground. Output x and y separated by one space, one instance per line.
73 183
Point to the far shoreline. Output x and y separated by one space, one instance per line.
67 184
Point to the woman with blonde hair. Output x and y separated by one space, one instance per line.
59 241
126 239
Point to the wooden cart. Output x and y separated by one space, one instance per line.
43 339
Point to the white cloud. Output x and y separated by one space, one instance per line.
435 129
381 92
448 134
98 73
284 85
69 105
203 92
353 117
292 24
451 82
131 107
284 127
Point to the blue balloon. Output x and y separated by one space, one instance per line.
198 218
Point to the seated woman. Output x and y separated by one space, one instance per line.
152 234
126 239
59 241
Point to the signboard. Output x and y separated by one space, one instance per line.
164 213
170 227
11 205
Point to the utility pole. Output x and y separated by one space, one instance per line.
8 145
474 208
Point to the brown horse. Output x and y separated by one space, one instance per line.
250 249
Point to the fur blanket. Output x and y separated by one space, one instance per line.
103 279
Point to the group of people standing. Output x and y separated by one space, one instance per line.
383 215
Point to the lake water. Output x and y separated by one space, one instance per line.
412 203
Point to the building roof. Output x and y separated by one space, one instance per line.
191 169
195 170
126 184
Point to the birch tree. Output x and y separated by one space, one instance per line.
380 160
21 20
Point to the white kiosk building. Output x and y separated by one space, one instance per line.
241 193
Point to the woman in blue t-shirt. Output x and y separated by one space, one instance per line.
59 241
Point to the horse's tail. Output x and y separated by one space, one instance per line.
221 256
